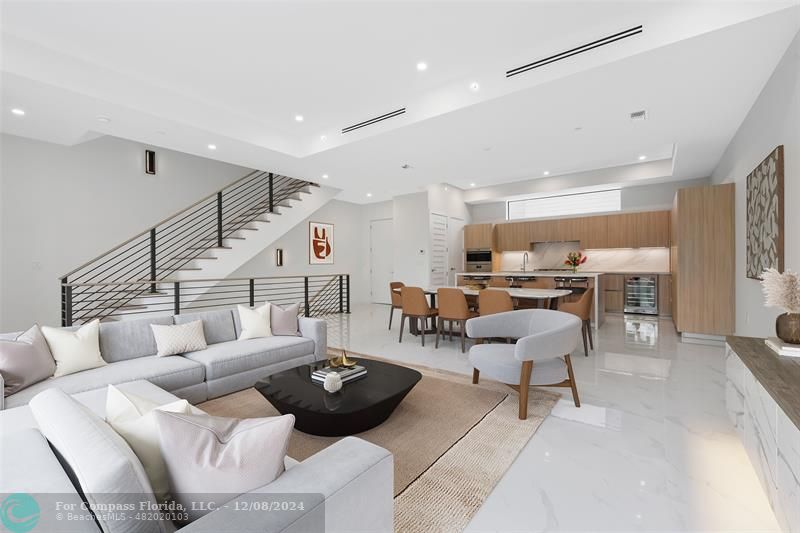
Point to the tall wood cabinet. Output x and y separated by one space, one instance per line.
478 237
702 260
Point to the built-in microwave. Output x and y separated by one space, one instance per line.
479 261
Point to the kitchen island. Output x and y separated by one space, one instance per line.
530 276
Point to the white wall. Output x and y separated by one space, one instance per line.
63 205
650 197
411 239
351 249
773 120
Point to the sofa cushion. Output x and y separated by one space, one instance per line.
217 325
25 360
228 358
104 466
128 339
29 466
75 350
169 373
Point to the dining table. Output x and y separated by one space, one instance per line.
549 296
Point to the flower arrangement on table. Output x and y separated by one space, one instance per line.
575 259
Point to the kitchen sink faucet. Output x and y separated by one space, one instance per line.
525 262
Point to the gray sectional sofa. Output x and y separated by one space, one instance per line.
227 365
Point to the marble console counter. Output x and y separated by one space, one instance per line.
762 397
533 274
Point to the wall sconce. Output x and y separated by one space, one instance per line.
149 162
279 257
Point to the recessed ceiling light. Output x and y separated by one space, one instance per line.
445 187
422 66
471 184
474 86
212 146
324 176
298 118
323 138
369 195
17 111
103 119
546 172
642 157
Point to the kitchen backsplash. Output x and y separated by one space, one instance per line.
552 255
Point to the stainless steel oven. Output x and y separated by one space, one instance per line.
641 295
478 260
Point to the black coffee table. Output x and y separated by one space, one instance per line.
360 405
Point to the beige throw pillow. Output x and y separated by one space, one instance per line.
178 339
213 459
25 360
132 418
74 351
255 323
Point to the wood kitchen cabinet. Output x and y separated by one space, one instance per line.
639 230
614 291
702 260
513 236
478 237
664 294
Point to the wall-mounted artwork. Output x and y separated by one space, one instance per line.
765 215
320 243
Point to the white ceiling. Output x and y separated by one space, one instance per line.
235 74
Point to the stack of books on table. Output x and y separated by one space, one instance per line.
347 374
783 348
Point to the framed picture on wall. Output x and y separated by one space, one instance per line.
320 243
765 215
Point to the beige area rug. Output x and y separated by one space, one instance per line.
452 442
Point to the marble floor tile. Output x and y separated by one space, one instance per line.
651 449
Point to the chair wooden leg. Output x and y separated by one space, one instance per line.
451 331
572 384
391 314
524 383
583 333
463 326
476 375
402 326
589 334
438 331
424 322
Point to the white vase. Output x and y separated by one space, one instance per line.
333 382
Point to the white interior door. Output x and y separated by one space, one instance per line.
455 248
438 250
380 260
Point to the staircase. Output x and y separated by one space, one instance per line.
206 242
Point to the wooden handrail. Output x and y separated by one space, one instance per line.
177 213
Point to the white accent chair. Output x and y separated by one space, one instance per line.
540 356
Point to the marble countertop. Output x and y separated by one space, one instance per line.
514 293
780 376
553 273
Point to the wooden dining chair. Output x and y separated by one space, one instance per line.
415 306
583 310
494 301
453 307
397 299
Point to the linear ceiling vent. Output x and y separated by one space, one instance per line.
575 51
375 120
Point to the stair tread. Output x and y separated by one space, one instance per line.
179 269
192 258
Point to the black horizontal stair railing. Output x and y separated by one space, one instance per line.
317 296
172 245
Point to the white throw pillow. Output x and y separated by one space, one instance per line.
213 458
132 418
74 351
106 469
255 322
182 338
